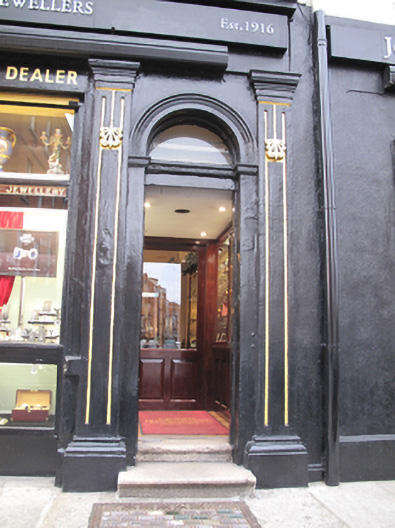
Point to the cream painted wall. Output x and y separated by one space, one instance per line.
379 11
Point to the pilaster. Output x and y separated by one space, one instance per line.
97 453
275 454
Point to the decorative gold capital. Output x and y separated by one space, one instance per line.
111 137
275 149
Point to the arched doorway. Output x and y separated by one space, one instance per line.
235 174
185 354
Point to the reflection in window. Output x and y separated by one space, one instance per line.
191 144
34 149
27 394
169 305
224 291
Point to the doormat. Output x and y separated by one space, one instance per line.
203 515
181 423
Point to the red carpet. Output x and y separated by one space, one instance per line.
181 423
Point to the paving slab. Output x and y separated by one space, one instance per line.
73 510
24 502
291 507
388 485
36 503
359 504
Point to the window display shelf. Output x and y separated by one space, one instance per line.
53 179
6 424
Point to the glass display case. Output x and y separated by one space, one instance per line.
35 152
27 395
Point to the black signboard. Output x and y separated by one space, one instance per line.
154 17
363 41
34 73
28 253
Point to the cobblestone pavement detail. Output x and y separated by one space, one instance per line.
236 515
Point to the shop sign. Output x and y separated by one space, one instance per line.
31 76
154 17
33 190
372 43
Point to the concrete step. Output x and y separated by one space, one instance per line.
180 450
186 479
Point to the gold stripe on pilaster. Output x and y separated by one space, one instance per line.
286 293
115 260
275 152
93 271
267 279
111 138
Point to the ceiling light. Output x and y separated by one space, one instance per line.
203 234
147 205
222 209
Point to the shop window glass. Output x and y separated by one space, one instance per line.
224 291
35 143
190 144
27 395
169 305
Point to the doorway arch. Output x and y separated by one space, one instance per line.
199 110
184 109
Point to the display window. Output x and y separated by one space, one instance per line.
27 395
35 154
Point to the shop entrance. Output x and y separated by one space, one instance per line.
185 315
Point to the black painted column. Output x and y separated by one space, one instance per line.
330 330
275 455
134 244
97 453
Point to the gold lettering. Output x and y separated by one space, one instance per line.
60 75
11 73
36 75
72 77
47 79
23 74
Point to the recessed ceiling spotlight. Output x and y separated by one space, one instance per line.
182 211
222 209
203 234
147 205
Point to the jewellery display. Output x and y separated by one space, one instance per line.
7 144
57 144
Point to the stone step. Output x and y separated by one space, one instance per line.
179 450
186 479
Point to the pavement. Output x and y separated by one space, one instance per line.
34 502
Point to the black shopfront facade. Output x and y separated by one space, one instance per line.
115 118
